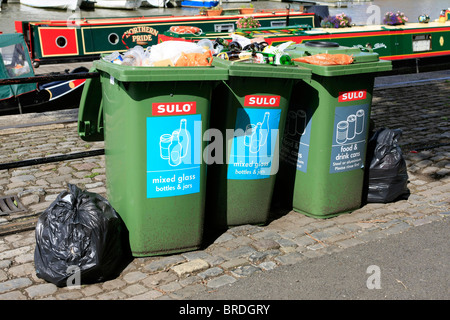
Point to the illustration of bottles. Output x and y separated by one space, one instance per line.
184 138
258 134
174 147
175 150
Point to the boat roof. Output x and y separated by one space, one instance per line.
366 28
7 39
353 31
162 18
15 62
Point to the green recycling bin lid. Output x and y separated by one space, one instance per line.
153 74
364 60
245 69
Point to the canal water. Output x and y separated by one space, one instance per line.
361 12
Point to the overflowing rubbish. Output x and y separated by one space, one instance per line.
326 59
80 239
388 177
252 50
201 53
163 54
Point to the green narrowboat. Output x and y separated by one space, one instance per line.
55 41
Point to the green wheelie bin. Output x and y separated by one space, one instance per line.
249 111
324 147
152 120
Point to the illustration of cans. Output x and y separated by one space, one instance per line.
341 132
359 126
351 119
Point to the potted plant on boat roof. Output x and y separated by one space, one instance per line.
337 21
214 11
247 22
395 19
202 11
246 10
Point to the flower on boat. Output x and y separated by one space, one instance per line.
248 22
337 21
393 19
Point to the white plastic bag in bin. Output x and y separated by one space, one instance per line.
171 51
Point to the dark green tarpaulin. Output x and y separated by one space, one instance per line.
15 62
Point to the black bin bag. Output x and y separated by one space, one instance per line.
387 176
80 232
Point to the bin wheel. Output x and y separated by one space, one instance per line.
321 44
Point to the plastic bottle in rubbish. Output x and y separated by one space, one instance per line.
146 61
114 57
206 44
129 58
134 56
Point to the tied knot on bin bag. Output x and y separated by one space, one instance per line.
80 232
387 173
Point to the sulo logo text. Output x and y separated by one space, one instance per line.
352 95
172 109
261 101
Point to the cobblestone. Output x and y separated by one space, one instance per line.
240 251
220 281
41 290
245 271
212 272
190 267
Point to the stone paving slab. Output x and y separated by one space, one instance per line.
289 238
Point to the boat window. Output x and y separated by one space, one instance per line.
61 41
113 38
15 60
225 27
421 42
278 23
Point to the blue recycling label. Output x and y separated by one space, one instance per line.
173 155
349 138
253 144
